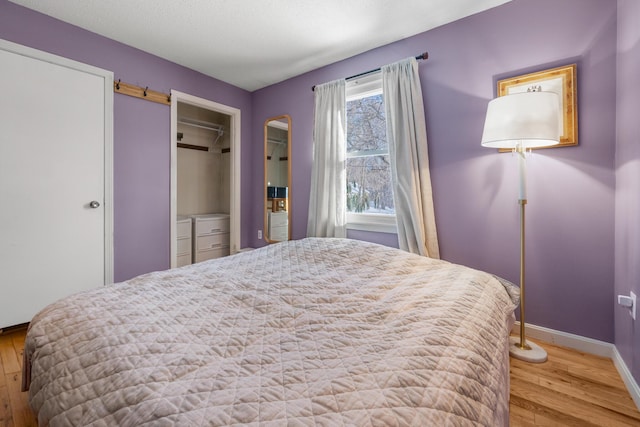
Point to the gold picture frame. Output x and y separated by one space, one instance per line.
561 80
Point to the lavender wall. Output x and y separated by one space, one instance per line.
627 243
570 215
141 131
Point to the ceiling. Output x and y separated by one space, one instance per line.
255 43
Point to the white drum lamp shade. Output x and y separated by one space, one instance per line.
531 119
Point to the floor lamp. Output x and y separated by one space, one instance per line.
519 122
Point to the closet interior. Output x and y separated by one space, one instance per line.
203 184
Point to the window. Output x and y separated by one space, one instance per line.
369 193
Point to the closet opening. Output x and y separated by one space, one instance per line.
205 178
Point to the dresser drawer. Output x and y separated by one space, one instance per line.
212 241
182 260
183 246
211 225
277 219
211 254
183 228
279 234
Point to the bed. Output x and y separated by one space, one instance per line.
329 332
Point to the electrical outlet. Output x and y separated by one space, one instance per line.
259 234
633 308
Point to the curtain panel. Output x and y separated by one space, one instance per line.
407 137
327 199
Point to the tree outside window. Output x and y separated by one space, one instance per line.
368 170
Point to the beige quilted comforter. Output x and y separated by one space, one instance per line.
328 332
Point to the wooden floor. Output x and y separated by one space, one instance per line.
570 389
14 408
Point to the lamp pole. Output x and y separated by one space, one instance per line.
521 349
522 172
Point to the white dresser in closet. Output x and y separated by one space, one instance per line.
183 237
279 226
210 236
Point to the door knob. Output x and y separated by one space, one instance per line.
94 204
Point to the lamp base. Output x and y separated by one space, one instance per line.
533 353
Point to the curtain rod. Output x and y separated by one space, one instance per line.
422 56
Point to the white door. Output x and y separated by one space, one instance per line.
54 132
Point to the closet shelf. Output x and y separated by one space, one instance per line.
202 124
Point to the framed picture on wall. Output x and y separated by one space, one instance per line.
561 80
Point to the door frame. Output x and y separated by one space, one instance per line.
107 77
234 205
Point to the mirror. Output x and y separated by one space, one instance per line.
277 179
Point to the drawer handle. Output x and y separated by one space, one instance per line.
215 230
216 245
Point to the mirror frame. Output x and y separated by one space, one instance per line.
282 118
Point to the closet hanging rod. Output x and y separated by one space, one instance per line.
422 56
202 124
192 147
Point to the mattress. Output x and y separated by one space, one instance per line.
330 332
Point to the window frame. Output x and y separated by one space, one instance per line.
362 87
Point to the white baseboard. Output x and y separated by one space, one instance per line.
585 345
628 379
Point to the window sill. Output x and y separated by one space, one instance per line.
372 222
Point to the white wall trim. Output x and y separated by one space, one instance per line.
628 379
585 345
235 193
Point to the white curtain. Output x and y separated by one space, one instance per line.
407 136
327 210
